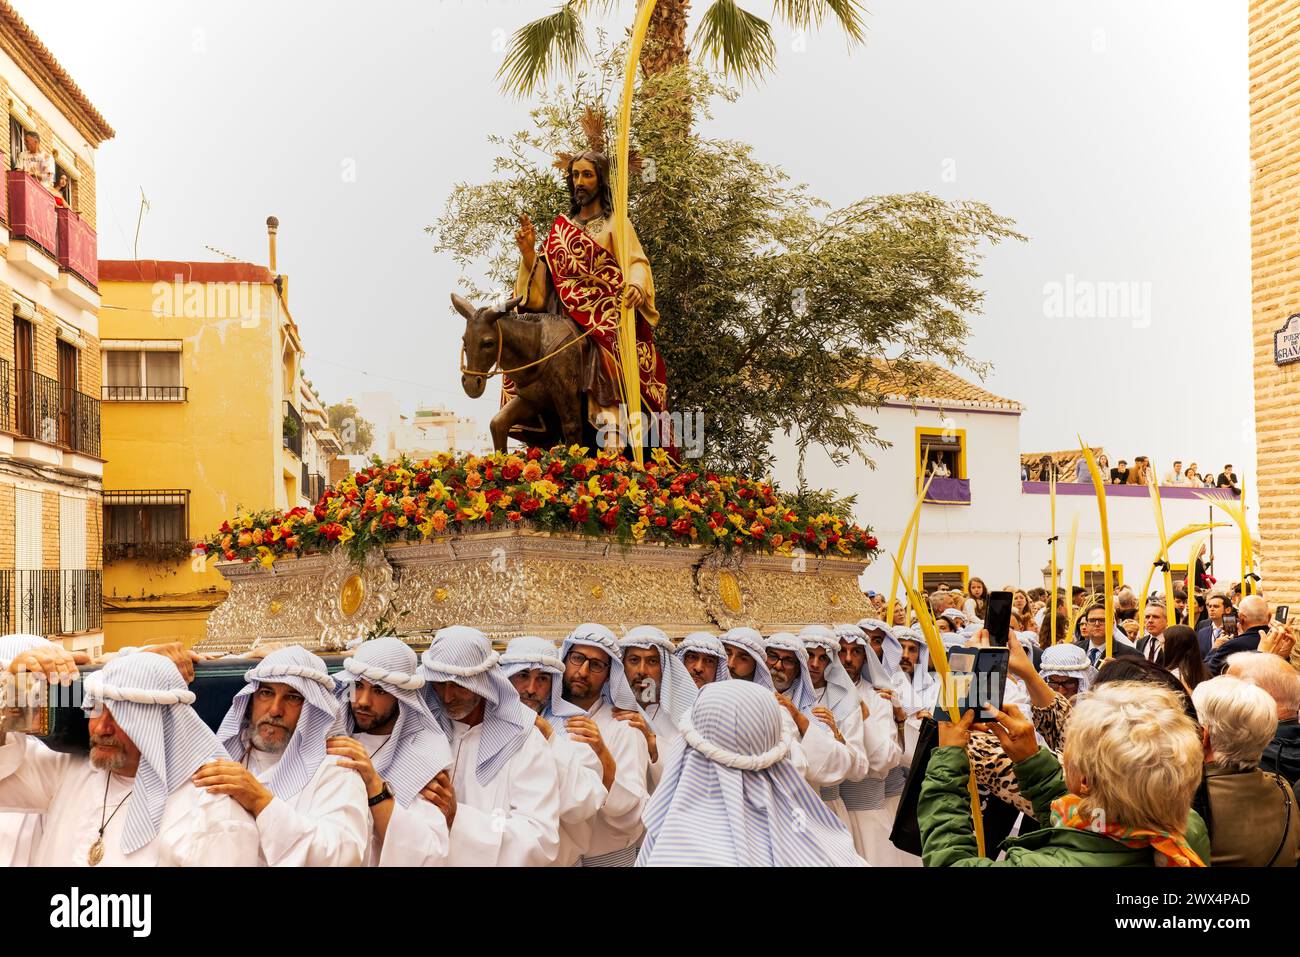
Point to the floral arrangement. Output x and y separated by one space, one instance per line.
559 489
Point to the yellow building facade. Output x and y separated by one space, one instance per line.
51 460
202 417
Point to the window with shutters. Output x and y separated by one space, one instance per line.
146 523
932 576
31 588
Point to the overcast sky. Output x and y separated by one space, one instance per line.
1114 133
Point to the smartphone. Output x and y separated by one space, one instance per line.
1229 624
980 677
1281 612
998 620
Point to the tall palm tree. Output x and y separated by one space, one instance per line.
735 39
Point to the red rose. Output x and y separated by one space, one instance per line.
810 536
228 555
361 478
651 483
510 472
492 495
871 541
529 505
833 537
556 469
225 528
682 526
388 521
661 520
291 542
514 516
534 454
579 513
488 473
579 471
331 531
424 480
610 518
390 487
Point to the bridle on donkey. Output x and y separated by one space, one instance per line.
501 339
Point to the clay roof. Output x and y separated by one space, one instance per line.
40 62
929 383
156 270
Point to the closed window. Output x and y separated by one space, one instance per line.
954 576
146 517
142 374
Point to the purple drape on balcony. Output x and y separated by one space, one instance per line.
31 211
78 253
949 491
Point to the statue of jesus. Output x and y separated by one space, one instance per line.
576 274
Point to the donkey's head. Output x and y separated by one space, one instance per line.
482 341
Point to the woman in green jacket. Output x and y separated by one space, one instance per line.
1132 763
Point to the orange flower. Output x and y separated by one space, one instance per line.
245 539
532 472
439 520
473 480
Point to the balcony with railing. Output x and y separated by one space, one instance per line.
57 245
51 601
292 429
144 393
49 412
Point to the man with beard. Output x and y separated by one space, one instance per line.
866 798
310 810
830 759
577 274
589 788
662 685
705 658
838 705
503 806
131 801
596 683
395 742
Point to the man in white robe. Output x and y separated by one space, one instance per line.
132 801
730 797
594 681
838 704
662 685
310 810
787 661
880 735
19 833
705 658
505 805
393 741
590 791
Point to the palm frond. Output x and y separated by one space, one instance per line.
543 47
812 13
739 41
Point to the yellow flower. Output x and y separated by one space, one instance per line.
578 451
264 556
347 535
593 485
635 494
736 519
545 490
660 456
438 491
402 522
639 530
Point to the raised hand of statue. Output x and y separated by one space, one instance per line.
526 240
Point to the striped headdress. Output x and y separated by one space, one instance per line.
464 656
676 693
922 690
11 646
729 797
416 749
528 652
616 691
148 700
320 717
873 672
705 644
841 695
750 642
800 692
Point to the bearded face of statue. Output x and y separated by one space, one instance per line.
588 179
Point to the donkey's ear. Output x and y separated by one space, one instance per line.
508 306
463 307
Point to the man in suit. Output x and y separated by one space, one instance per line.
1094 638
1252 622
1211 629
1152 643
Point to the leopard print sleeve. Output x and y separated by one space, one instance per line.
1050 722
993 770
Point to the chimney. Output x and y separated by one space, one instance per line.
272 224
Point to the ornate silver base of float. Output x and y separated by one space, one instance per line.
518 582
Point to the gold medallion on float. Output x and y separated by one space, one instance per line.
351 595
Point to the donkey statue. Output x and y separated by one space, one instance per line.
539 353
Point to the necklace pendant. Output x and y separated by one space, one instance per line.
96 853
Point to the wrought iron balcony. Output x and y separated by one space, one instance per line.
293 428
144 393
49 412
52 601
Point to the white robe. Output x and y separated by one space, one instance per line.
851 731
198 829
326 824
430 826
618 826
870 829
511 821
666 734
582 795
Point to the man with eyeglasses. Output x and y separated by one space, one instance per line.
594 681
1094 638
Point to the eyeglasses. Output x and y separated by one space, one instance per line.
594 665
1056 681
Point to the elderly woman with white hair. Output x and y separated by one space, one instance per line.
1120 797
1253 818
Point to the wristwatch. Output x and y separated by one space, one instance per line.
382 796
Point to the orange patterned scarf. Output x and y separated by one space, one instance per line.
1171 850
